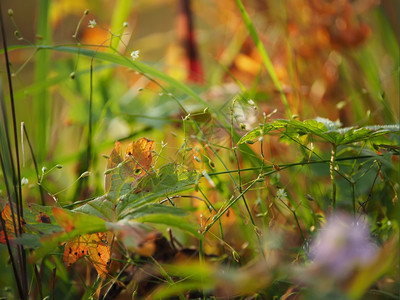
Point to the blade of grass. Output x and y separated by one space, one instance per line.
264 55
41 101
120 15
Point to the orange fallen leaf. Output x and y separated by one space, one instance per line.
136 162
95 246
141 153
6 214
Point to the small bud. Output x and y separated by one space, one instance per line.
10 12
108 171
242 126
85 174
235 256
86 12
211 163
260 179
44 170
24 181
125 24
59 166
309 197
72 75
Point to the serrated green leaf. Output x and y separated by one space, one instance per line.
121 182
168 182
353 135
322 128
101 207
133 201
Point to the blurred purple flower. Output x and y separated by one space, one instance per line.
342 245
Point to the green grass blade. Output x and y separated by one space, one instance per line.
120 15
41 101
264 55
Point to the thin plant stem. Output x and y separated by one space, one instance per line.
302 163
332 174
53 284
38 281
34 163
166 275
16 179
221 229
239 185
353 194
363 205
13 264
228 206
89 142
295 217
5 123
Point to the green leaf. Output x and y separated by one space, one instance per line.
29 241
151 209
173 221
168 182
325 129
352 135
101 207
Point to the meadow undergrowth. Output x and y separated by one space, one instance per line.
268 173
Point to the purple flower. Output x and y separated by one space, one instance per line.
342 245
